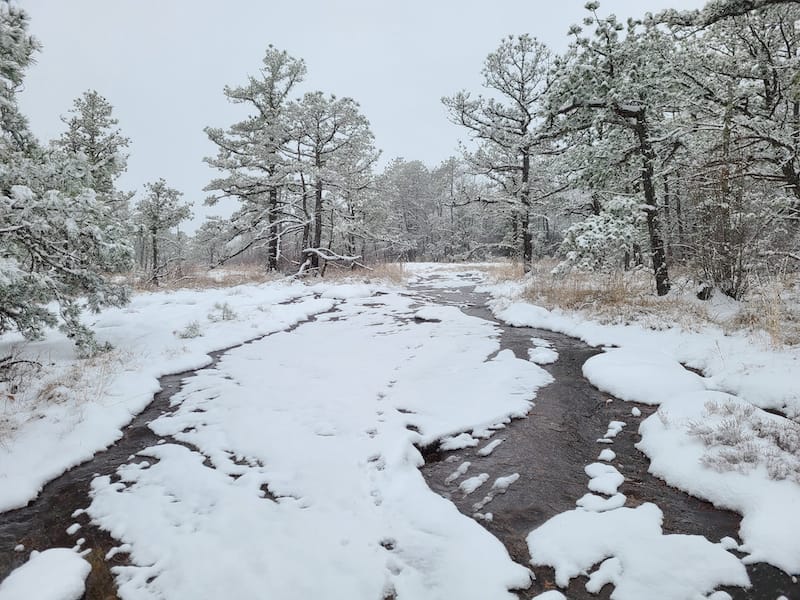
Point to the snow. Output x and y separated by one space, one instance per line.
490 447
640 375
770 526
97 398
614 427
633 553
542 356
605 479
55 574
327 471
502 484
458 442
737 363
636 412
73 529
597 503
607 455
461 470
473 483
550 595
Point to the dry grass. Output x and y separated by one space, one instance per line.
615 297
82 381
504 271
739 439
201 278
771 306
100 583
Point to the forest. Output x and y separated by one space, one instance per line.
668 141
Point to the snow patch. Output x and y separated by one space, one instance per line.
633 554
55 574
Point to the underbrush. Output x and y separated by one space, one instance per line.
772 304
28 392
201 278
738 439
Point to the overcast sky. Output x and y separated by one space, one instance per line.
163 63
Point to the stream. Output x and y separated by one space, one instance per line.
549 449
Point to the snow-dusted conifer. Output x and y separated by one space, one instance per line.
158 212
253 155
505 124
334 141
92 135
59 241
608 102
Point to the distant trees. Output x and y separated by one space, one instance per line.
158 212
59 238
333 139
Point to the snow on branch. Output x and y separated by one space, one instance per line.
716 11
328 256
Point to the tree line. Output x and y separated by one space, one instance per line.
669 139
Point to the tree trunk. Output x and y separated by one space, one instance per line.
527 238
272 244
317 243
657 252
154 239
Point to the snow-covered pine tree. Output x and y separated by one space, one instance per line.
92 134
158 212
609 102
333 137
253 154
505 125
59 241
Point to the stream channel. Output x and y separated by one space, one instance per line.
549 449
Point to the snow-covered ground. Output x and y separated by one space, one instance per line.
290 468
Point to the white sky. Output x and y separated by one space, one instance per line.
163 63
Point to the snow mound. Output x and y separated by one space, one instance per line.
347 291
639 375
473 483
55 574
597 503
634 555
605 479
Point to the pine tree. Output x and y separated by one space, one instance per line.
253 154
158 212
608 105
506 127
333 139
59 241
93 136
